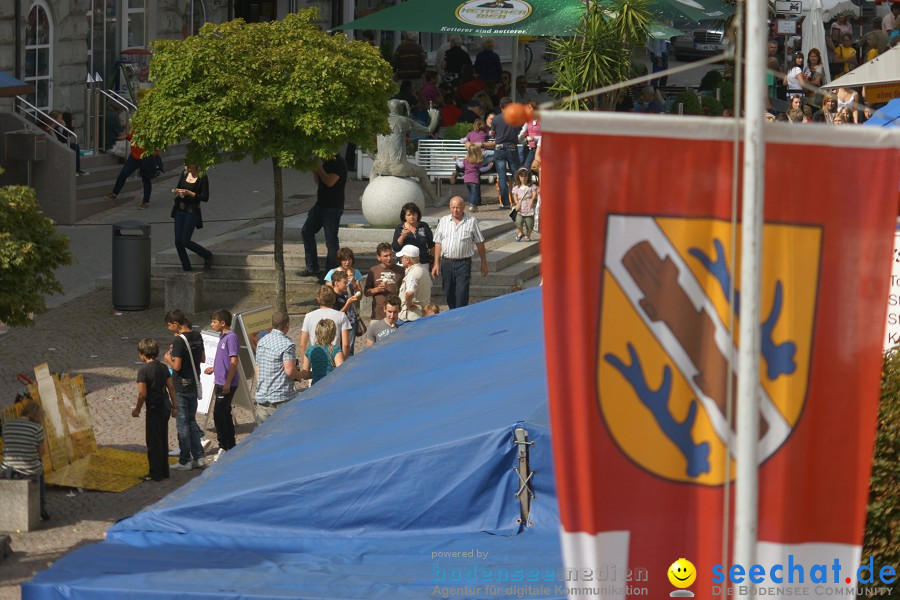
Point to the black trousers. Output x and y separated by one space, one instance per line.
455 278
222 418
157 431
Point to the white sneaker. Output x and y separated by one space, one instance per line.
198 463
182 467
218 455
175 452
206 443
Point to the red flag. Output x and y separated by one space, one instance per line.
638 247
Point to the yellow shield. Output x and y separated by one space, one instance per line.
667 357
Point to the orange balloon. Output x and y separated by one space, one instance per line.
514 114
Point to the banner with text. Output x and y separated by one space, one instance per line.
642 303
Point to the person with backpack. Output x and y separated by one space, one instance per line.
184 358
324 356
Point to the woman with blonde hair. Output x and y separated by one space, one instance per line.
324 356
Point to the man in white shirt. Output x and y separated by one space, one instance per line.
415 291
325 299
455 241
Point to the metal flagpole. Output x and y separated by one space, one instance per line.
748 415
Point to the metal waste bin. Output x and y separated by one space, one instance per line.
131 265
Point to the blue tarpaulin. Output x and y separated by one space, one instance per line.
886 116
391 478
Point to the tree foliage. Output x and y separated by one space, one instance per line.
30 250
883 514
282 90
601 51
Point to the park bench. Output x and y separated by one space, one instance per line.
438 157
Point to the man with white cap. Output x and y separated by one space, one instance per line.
415 291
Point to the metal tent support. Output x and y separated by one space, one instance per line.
525 493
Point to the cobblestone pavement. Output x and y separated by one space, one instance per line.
86 337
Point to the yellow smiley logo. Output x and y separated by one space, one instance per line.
682 573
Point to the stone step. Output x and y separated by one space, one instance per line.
294 259
512 275
490 228
98 183
304 294
131 193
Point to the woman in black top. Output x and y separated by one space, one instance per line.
192 189
413 231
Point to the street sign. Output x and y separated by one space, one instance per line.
788 7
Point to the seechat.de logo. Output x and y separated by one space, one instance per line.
796 572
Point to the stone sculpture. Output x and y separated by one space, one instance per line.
391 156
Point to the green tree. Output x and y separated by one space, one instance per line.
30 250
284 91
600 53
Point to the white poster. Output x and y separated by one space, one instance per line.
892 331
207 382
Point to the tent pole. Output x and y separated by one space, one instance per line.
748 414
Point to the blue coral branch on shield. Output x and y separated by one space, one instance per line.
779 357
657 401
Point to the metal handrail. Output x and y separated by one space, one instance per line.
47 118
118 99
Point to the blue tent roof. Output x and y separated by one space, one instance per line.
886 116
403 453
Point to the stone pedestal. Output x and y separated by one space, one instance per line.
385 196
21 502
184 291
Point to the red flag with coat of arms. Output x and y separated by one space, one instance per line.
641 296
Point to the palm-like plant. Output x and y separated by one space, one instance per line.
600 53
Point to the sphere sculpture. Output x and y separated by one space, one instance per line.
385 196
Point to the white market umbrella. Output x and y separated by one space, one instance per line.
814 35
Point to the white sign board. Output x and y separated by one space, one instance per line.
892 331
788 7
242 396
785 27
207 382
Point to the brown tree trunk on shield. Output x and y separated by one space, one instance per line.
280 285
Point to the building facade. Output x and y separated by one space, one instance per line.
64 47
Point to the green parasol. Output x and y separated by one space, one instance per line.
477 17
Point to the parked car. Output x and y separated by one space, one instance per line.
707 39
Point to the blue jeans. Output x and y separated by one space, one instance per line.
530 153
131 165
504 156
474 194
664 59
185 223
189 433
455 277
317 219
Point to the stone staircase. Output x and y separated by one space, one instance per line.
91 189
244 263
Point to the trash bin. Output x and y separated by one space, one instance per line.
131 265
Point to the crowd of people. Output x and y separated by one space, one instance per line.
798 80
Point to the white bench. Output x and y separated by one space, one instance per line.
439 159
